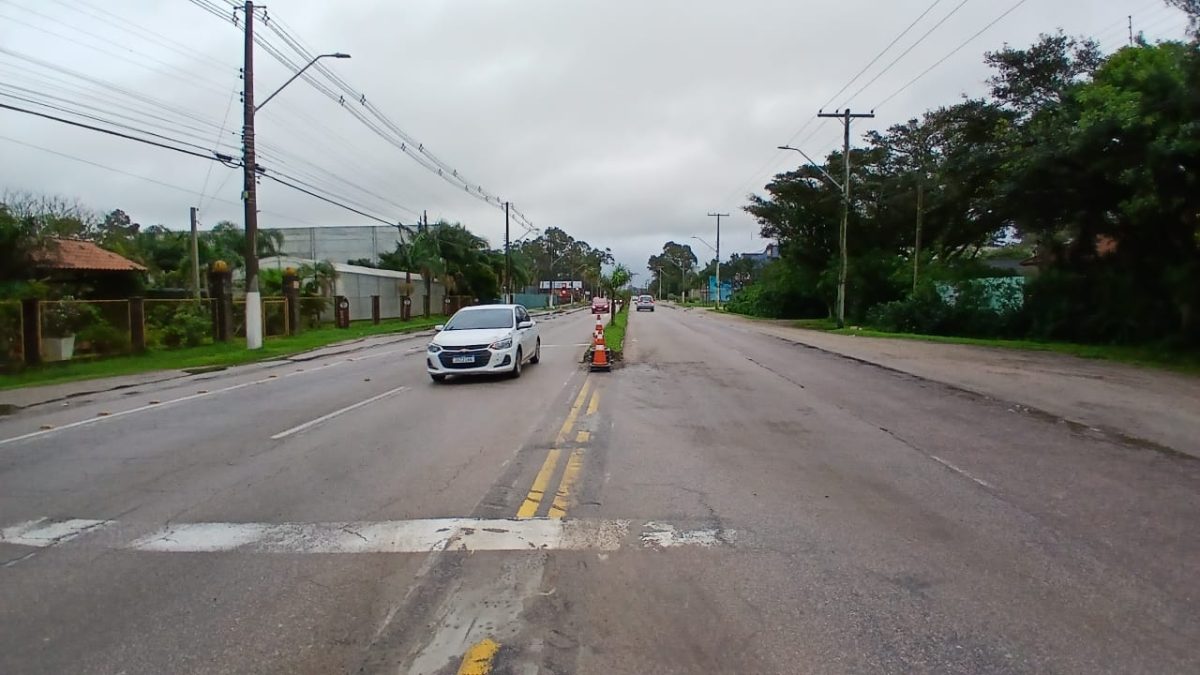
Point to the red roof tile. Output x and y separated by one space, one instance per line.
77 254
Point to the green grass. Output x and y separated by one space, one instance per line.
614 332
219 354
1154 357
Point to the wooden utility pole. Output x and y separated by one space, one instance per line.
920 219
428 267
846 116
718 216
507 259
195 256
249 192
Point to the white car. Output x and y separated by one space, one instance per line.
484 339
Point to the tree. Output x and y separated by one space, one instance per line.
1192 9
672 267
1033 79
1118 161
19 238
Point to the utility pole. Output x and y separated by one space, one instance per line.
920 221
718 216
508 259
846 116
1130 30
428 267
249 194
195 257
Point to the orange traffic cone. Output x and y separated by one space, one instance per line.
600 354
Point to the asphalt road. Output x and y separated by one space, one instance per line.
725 502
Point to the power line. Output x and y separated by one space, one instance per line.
323 198
278 177
168 124
143 33
105 167
208 174
906 52
954 51
407 143
198 81
809 122
110 132
184 112
878 56
96 118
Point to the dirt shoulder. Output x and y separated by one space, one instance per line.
1158 407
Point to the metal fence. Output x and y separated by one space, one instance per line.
12 328
274 317
178 322
73 329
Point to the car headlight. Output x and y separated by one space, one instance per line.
433 349
501 344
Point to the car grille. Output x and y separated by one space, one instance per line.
480 352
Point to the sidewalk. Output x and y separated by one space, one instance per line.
1140 404
25 397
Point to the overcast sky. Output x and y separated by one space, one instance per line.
623 122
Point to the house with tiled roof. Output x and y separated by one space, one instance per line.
78 261
61 254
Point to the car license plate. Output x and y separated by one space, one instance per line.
462 359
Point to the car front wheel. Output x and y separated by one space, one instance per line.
537 352
516 371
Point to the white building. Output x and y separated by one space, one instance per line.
358 284
339 244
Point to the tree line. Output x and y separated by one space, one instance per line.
1083 166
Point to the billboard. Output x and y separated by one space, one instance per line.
726 289
547 285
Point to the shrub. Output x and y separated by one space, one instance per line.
189 326
975 308
67 317
104 338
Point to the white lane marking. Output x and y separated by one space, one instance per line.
664 535
402 536
341 411
389 536
959 471
163 404
43 532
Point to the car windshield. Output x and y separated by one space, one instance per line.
477 319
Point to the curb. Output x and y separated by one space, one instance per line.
1077 425
351 347
178 374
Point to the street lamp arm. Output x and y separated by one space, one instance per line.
820 168
710 246
336 55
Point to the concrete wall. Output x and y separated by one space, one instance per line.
359 287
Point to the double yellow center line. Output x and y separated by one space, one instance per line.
562 496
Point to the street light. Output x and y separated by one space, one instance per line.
254 318
844 188
710 246
718 252
682 277
335 55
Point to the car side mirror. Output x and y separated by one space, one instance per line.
439 327
525 324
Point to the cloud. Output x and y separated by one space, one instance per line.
624 122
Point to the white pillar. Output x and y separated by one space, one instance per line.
254 332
